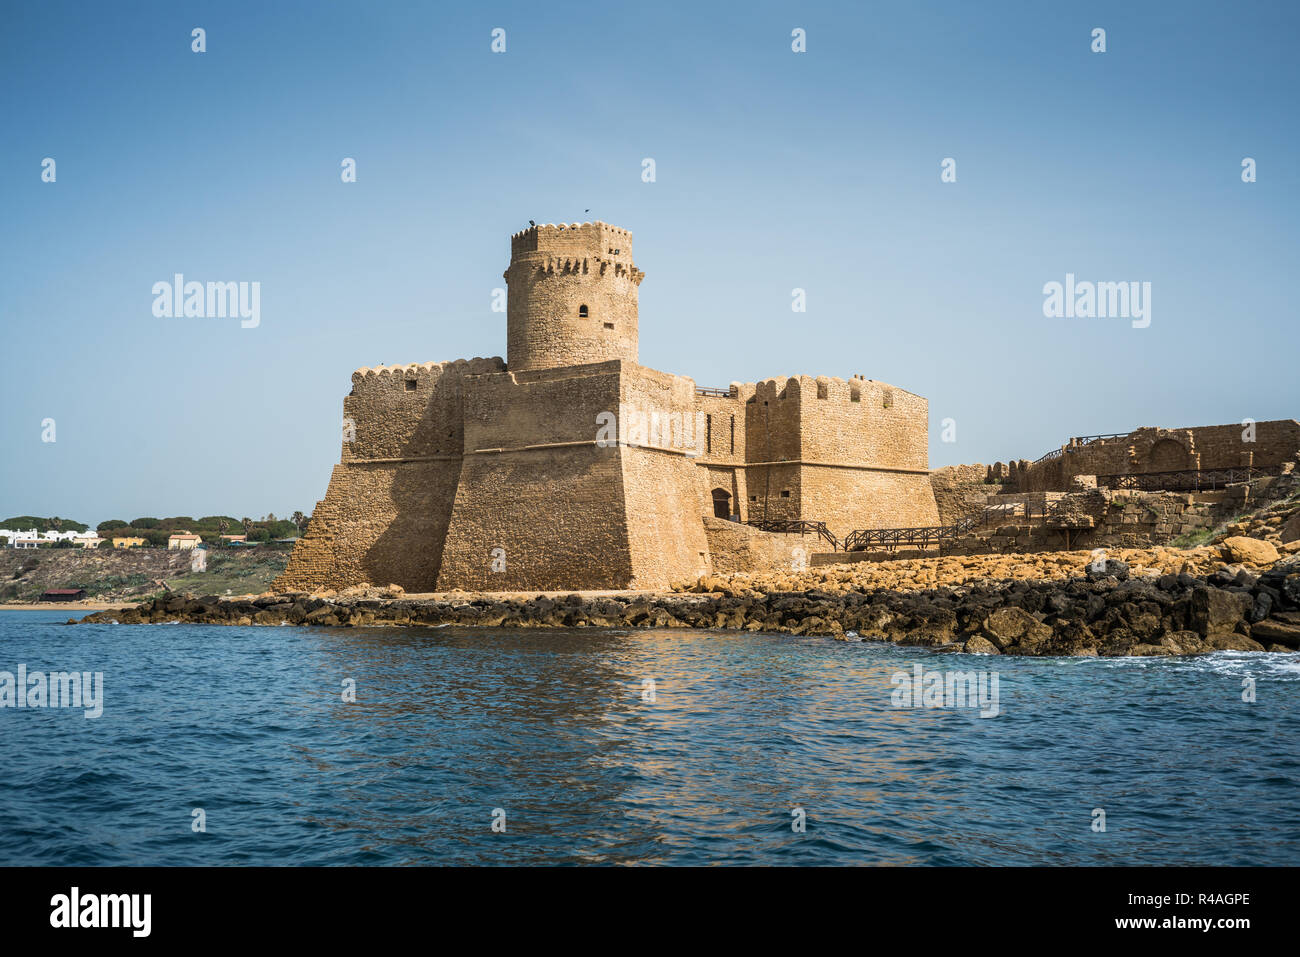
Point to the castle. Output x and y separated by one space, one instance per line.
572 466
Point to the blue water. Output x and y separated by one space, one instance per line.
551 727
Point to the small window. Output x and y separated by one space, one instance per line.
753 498
855 394
410 385
609 325
582 312
785 493
823 390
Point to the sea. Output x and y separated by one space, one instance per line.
221 745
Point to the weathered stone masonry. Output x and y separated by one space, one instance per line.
492 477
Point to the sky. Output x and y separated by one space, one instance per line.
775 170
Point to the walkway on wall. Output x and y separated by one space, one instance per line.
1077 443
788 527
1186 480
923 536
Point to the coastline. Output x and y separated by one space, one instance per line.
56 605
1097 610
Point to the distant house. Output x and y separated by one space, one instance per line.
27 543
232 539
184 540
63 594
127 541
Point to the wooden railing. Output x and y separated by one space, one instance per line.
1078 442
1185 480
921 536
792 526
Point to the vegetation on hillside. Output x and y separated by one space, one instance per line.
55 524
211 527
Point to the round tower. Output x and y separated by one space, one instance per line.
572 293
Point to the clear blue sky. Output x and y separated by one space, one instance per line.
775 170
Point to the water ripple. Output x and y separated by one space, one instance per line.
746 733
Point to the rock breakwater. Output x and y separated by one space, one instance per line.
1104 609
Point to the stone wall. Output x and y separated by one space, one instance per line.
664 487
1168 450
739 548
385 514
1121 518
960 491
863 452
535 486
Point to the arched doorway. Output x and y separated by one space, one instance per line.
721 503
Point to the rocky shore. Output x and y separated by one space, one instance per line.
1107 607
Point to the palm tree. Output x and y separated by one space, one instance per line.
248 525
298 519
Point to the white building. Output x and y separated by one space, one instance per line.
30 538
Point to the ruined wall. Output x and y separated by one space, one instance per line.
1124 518
960 491
557 271
739 548
1169 450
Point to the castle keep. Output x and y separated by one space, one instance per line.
572 466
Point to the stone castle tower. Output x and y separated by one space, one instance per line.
572 296
492 476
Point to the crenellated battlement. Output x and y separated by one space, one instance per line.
475 366
600 238
828 388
